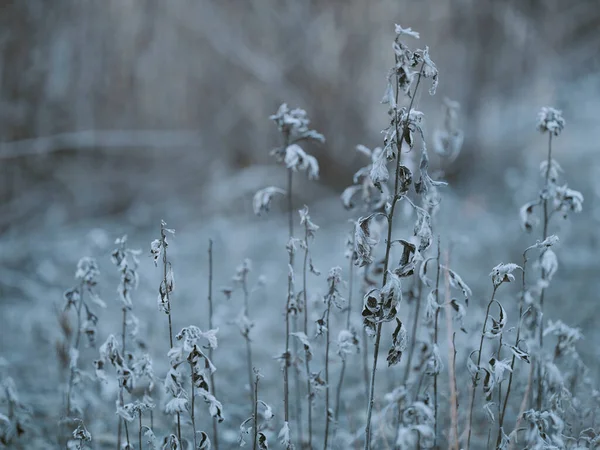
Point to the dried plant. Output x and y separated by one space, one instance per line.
462 372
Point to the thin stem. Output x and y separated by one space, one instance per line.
365 341
327 336
348 313
451 335
387 255
121 401
286 391
297 395
306 349
164 246
193 409
213 387
500 383
476 378
140 430
413 338
77 341
247 339
540 386
435 343
255 413
512 362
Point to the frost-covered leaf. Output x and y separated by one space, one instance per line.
528 219
548 242
262 199
502 273
426 186
244 432
422 229
406 32
363 241
488 412
379 173
171 443
215 408
176 405
303 338
459 313
497 324
203 441
399 341
268 412
550 120
284 436
473 368
548 263
568 200
262 441
457 282
348 194
423 272
347 343
520 354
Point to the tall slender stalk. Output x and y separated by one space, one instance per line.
193 406
164 245
140 430
348 315
121 399
255 411
512 362
306 349
77 342
213 387
540 384
247 339
415 326
388 247
365 340
476 378
435 343
297 395
286 391
451 336
327 342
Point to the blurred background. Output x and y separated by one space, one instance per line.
121 105
120 113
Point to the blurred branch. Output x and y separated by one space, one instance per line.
92 139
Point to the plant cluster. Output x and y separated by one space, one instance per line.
458 377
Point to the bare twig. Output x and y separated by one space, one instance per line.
213 387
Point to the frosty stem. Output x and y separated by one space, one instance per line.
435 343
512 362
163 239
348 314
121 400
476 377
192 408
388 246
286 362
306 349
76 347
255 413
247 339
540 384
210 327
140 430
327 337
415 326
